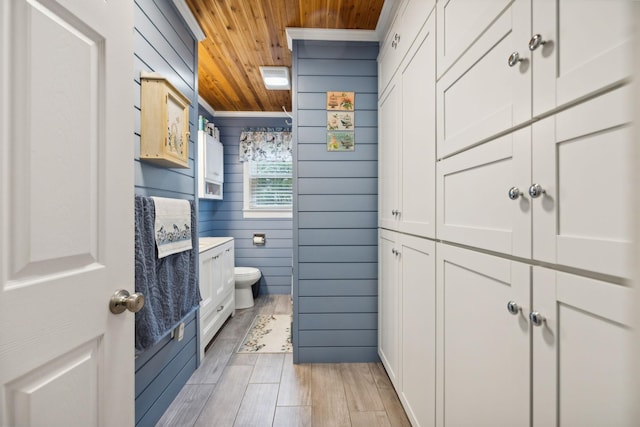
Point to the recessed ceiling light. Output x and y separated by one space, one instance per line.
275 78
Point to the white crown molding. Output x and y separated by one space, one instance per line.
386 17
326 34
250 114
206 106
189 19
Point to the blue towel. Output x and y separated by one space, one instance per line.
169 285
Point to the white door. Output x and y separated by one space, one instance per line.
66 212
582 352
418 326
588 48
484 351
580 159
481 95
482 195
389 305
418 154
388 111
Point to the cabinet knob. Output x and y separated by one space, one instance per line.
536 318
535 42
536 190
514 193
513 307
514 58
394 212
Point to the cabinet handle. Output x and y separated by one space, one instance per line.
514 193
535 42
394 212
514 58
513 308
536 318
536 190
221 308
393 251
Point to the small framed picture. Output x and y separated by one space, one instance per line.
340 141
340 101
340 121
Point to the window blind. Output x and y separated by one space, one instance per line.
270 184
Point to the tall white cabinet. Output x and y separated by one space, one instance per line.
505 143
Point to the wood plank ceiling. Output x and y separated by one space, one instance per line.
242 35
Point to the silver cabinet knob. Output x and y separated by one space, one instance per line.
536 318
535 42
513 307
536 190
514 193
121 301
514 58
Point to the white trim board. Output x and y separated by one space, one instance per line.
326 34
189 19
206 106
250 114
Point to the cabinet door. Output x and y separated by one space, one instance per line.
417 169
389 306
481 95
581 161
206 279
418 325
228 264
583 364
388 144
474 207
460 23
484 357
591 52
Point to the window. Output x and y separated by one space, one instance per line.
267 189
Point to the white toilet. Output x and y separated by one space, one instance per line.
245 277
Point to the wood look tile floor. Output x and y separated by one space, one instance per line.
251 390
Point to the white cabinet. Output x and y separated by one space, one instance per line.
578 157
407 142
481 95
582 352
565 350
407 319
217 286
389 305
484 351
409 19
210 167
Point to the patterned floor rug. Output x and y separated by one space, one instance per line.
269 333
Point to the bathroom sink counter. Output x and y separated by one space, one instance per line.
206 243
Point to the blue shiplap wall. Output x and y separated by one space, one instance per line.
335 207
163 44
224 218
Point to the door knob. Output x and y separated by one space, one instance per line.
122 300
536 318
514 58
535 42
536 190
514 193
513 307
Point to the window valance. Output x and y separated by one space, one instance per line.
265 144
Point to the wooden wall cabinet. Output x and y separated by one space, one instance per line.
164 133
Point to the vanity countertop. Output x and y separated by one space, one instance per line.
207 243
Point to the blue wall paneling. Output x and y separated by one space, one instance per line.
221 218
335 207
163 44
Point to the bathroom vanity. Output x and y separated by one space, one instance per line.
217 286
